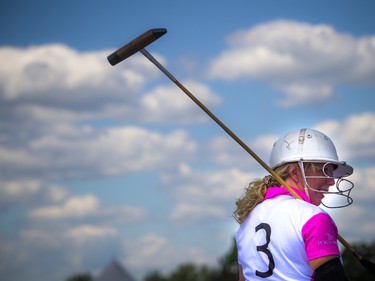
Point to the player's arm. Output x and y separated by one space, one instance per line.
328 269
240 273
319 234
314 264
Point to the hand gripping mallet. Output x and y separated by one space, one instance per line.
139 44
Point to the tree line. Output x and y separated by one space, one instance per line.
227 268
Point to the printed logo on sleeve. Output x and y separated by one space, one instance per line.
330 239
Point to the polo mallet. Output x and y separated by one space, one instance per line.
139 44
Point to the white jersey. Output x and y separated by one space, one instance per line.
281 235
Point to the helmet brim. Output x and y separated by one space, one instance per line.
342 170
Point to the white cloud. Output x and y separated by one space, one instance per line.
197 212
20 188
296 94
148 245
55 83
364 180
226 152
85 208
353 137
84 232
171 104
304 61
27 192
197 185
204 194
78 228
50 246
71 152
45 91
29 73
74 207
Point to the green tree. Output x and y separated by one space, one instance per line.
228 265
191 272
80 277
227 270
353 268
155 276
184 272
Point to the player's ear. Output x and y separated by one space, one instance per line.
294 172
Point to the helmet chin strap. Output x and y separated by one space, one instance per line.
305 185
306 189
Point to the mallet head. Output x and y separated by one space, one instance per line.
136 45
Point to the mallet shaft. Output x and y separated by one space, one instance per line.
234 137
138 44
158 65
218 121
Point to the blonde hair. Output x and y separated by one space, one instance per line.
255 192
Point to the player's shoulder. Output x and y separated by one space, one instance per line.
303 208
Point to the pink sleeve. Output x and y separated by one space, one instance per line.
320 237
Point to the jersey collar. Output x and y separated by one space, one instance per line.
277 191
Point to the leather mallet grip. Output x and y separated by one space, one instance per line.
136 45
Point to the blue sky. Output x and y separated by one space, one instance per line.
101 162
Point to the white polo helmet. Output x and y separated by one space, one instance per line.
307 145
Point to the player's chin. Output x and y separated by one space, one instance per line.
317 203
317 199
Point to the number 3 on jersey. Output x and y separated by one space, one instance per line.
264 248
